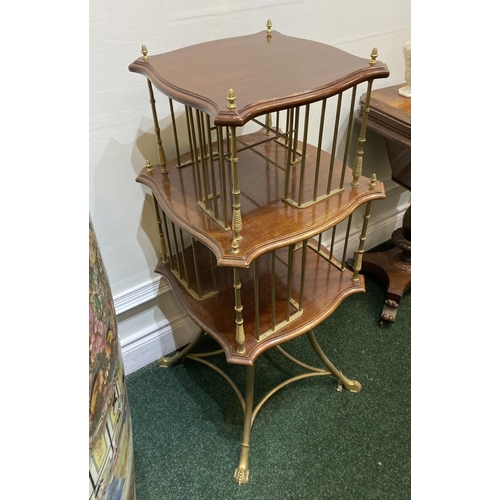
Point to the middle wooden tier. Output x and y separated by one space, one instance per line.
280 204
284 294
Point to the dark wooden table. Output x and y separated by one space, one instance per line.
390 117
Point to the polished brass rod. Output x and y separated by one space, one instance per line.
198 358
273 290
181 238
160 230
237 223
303 162
196 271
176 245
346 240
320 236
222 166
174 125
240 333
213 270
202 160
289 281
349 133
196 162
296 132
334 144
212 170
161 152
302 274
191 150
289 125
332 241
277 121
256 298
169 246
269 123
320 144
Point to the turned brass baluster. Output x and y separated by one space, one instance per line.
161 152
160 230
359 255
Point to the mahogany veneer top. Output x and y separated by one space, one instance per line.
267 73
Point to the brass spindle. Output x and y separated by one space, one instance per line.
160 230
269 124
320 143
359 256
334 144
240 333
202 160
196 271
169 246
212 169
191 151
181 238
213 270
174 125
256 298
302 274
195 151
290 115
222 166
332 242
161 152
289 280
176 245
277 121
358 164
346 240
296 132
303 162
349 133
237 222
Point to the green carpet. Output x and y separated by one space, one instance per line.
309 441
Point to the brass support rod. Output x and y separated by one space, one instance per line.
350 385
320 143
191 150
174 125
334 144
358 164
212 168
273 290
196 271
290 115
303 162
332 242
168 361
222 166
212 267
289 280
302 274
176 244
256 298
237 222
181 238
202 160
277 121
240 332
296 132
300 363
169 246
195 150
160 230
362 238
349 133
161 152
241 473
346 240
269 123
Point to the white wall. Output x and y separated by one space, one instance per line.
151 323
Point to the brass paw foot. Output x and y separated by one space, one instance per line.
241 476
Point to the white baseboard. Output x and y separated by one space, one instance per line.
160 339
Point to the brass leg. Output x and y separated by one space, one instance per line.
241 473
167 361
350 385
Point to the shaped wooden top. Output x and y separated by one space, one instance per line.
268 72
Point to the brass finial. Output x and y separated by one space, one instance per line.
231 97
373 180
269 25
374 56
148 166
144 51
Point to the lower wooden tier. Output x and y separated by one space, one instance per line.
315 287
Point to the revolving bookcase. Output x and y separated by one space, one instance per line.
248 208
